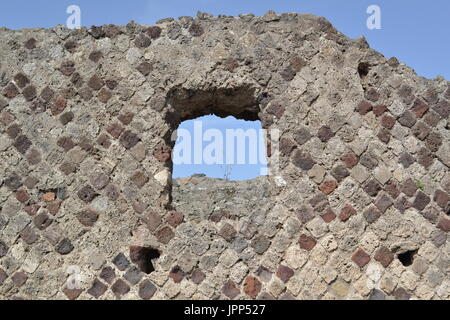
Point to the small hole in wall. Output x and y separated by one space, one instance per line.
144 257
363 69
407 257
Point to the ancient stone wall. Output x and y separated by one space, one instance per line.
358 209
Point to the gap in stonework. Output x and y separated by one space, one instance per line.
224 148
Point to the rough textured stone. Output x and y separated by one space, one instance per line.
360 257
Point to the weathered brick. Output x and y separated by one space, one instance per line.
95 82
306 242
30 43
197 276
67 67
133 275
10 91
22 195
383 202
252 286
433 141
174 218
441 198
350 160
21 80
371 214
364 107
42 221
325 133
115 130
176 274
120 288
142 41
384 256
425 158
328 186
140 179
145 68
108 274
347 212
97 289
360 257
29 235
328 215
340 173
3 249
129 139
388 121
284 273
260 244
228 232
22 144
29 93
421 201
104 95
379 109
372 187
442 108
302 135
304 214
121 262
126 118
420 108
230 289
406 160
444 224
165 234
19 278
72 294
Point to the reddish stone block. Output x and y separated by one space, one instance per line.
364 107
126 118
360 257
42 221
420 108
175 218
32 209
140 179
325 133
29 235
384 256
162 153
441 198
421 201
108 274
350 160
328 186
346 212
379 109
328 215
104 141
120 288
306 242
58 105
388 121
10 91
49 196
87 217
22 195
66 143
72 294
252 286
152 220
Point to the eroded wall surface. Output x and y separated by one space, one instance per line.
358 209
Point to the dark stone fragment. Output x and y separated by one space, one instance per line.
372 95
360 257
165 234
10 91
371 214
388 121
384 256
379 109
420 130
230 289
87 194
98 289
431 118
383 202
13 130
77 80
133 275
260 244
392 190
372 187
142 41
409 187
42 221
129 139
72 294
421 201
104 140
284 273
442 108
95 82
71 45
120 288
153 32
47 94
401 294
112 192
425 157
406 93
306 242
30 43
420 108
87 217
369 160
19 279
302 135
29 235
325 133
441 198
304 214
13 182
3 249
21 80
347 212
3 276
121 262
364 107
111 84
104 95
196 30
97 32
384 135
126 118
65 118
433 141
303 160
176 274
64 247
145 68
340 173
146 290
108 274
276 108
228 232
66 143
402 204
376 294
22 144
407 119
288 74
67 68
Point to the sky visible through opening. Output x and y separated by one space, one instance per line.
233 171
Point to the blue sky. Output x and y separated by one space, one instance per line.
415 31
